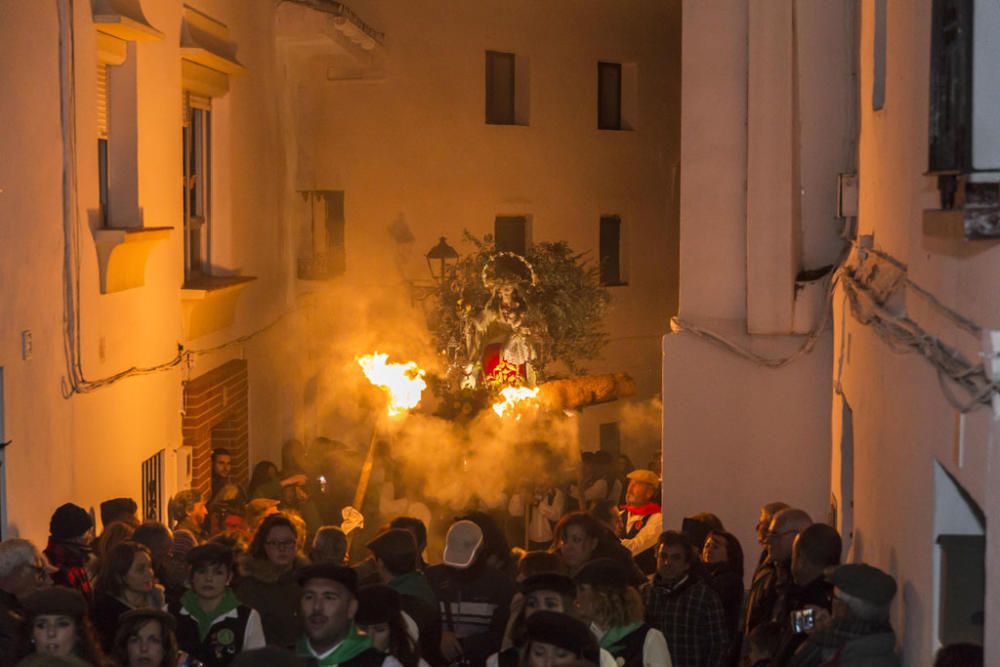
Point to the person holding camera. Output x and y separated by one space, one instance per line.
815 549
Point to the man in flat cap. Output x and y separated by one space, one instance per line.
642 518
328 604
858 632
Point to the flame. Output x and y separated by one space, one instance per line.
402 383
513 397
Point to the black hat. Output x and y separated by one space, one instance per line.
210 552
69 521
56 600
376 604
395 541
339 573
563 631
114 509
549 581
865 583
603 572
165 619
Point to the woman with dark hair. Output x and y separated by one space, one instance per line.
723 559
114 533
58 625
145 638
268 581
264 482
380 617
580 538
125 582
555 639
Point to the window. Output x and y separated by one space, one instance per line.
507 89
152 487
197 140
609 96
323 251
500 69
510 234
103 181
611 251
959 563
878 56
951 86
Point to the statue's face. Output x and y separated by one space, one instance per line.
506 292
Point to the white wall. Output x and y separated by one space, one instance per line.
904 428
738 435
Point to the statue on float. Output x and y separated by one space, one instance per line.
502 339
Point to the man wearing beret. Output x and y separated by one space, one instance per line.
71 532
328 605
642 518
858 633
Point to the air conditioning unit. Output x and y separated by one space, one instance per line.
184 458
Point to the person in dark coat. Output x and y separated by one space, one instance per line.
815 549
395 554
126 582
269 580
71 534
858 633
723 559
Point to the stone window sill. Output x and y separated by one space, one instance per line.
209 303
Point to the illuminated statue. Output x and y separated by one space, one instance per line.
501 339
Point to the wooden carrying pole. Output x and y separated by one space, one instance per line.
366 473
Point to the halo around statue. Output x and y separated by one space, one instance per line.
508 268
505 319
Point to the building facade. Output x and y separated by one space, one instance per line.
210 207
882 420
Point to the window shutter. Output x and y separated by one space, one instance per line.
190 101
102 100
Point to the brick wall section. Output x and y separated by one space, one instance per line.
216 414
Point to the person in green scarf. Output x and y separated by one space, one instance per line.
615 612
328 605
212 624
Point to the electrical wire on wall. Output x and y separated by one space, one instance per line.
75 381
899 332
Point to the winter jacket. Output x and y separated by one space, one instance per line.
216 638
275 594
690 616
474 604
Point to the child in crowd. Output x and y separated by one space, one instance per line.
212 625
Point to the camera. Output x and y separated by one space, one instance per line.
803 620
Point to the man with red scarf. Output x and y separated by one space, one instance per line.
642 518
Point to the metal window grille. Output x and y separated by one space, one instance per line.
152 487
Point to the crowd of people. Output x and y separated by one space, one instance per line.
267 574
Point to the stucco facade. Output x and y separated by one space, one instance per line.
385 107
863 430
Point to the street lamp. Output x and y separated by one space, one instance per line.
441 260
